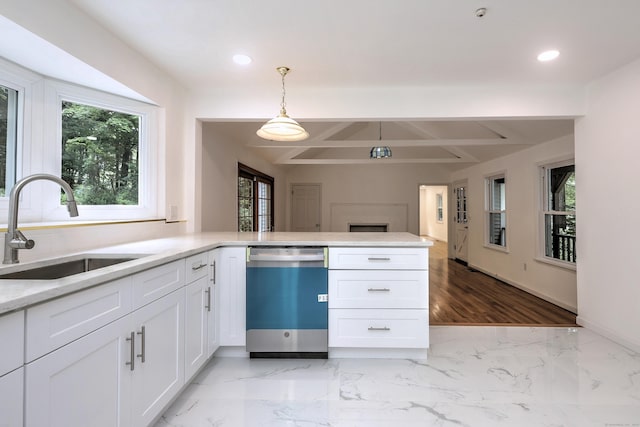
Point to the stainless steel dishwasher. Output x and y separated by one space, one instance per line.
287 312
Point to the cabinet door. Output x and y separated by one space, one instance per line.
11 389
196 322
232 280
213 304
85 383
12 341
159 368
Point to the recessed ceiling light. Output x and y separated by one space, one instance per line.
241 59
548 55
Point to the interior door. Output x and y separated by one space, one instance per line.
305 207
461 220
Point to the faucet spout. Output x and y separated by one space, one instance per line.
14 239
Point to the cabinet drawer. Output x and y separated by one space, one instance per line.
157 282
378 258
379 328
379 289
58 322
196 267
12 341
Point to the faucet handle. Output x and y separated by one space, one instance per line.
19 241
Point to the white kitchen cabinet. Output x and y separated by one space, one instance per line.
152 284
102 362
213 304
11 395
12 341
196 326
60 321
378 258
84 383
379 299
374 328
231 269
159 369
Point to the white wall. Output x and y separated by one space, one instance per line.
555 284
51 21
220 156
369 184
429 226
608 203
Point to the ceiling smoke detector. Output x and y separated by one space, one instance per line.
481 12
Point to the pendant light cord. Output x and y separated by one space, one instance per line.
283 72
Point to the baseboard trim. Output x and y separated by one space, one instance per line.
608 333
522 287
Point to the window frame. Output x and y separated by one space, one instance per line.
148 173
39 148
256 177
439 208
544 189
489 181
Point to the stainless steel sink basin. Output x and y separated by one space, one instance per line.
65 268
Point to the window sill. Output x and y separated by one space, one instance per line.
557 263
69 224
497 248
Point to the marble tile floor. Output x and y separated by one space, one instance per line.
474 376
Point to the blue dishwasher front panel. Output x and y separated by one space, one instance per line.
287 298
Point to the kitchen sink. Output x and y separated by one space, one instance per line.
65 268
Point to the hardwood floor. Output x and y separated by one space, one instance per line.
459 295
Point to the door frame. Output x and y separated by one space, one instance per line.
452 214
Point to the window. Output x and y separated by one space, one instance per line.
439 208
559 211
100 154
496 210
8 138
255 200
106 146
107 150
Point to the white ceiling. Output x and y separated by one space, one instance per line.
381 43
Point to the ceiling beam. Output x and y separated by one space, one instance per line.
388 142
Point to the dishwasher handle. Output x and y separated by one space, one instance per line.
286 258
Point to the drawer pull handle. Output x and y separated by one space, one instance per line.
133 351
143 344
198 267
379 290
379 259
213 276
371 328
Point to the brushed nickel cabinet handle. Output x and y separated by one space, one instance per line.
142 345
198 267
213 278
371 328
132 338
208 292
379 290
379 259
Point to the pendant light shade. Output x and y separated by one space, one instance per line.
282 127
381 151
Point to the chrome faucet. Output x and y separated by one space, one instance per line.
14 239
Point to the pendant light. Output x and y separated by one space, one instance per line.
282 127
381 151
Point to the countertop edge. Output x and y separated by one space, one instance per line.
20 294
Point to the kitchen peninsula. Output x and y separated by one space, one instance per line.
144 327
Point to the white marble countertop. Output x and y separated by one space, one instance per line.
17 294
